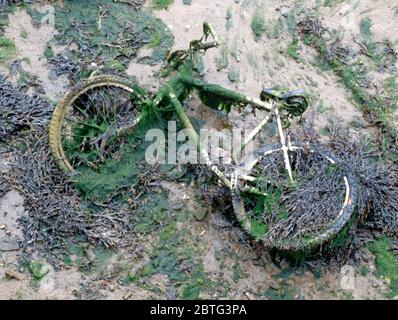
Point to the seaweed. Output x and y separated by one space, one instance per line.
376 108
258 24
7 50
161 4
19 110
59 216
104 33
386 263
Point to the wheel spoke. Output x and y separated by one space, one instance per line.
93 126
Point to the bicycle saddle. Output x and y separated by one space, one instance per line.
294 102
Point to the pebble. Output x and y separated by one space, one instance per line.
300 296
205 296
284 12
274 285
256 256
200 213
2 227
249 296
284 264
90 255
177 205
15 275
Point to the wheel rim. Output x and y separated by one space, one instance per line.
340 221
82 113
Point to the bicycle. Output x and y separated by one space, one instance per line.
73 120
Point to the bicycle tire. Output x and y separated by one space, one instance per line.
344 217
62 108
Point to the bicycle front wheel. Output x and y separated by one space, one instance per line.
294 215
86 126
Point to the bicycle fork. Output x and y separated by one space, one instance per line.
285 148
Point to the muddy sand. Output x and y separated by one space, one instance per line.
237 270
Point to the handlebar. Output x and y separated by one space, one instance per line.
177 57
208 30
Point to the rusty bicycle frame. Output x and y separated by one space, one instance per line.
171 96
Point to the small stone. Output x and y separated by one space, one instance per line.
284 12
233 76
90 255
256 263
177 205
14 275
200 213
274 285
300 296
205 296
284 264
112 288
2 227
280 63
127 296
249 296
256 256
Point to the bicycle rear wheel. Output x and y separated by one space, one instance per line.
294 216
